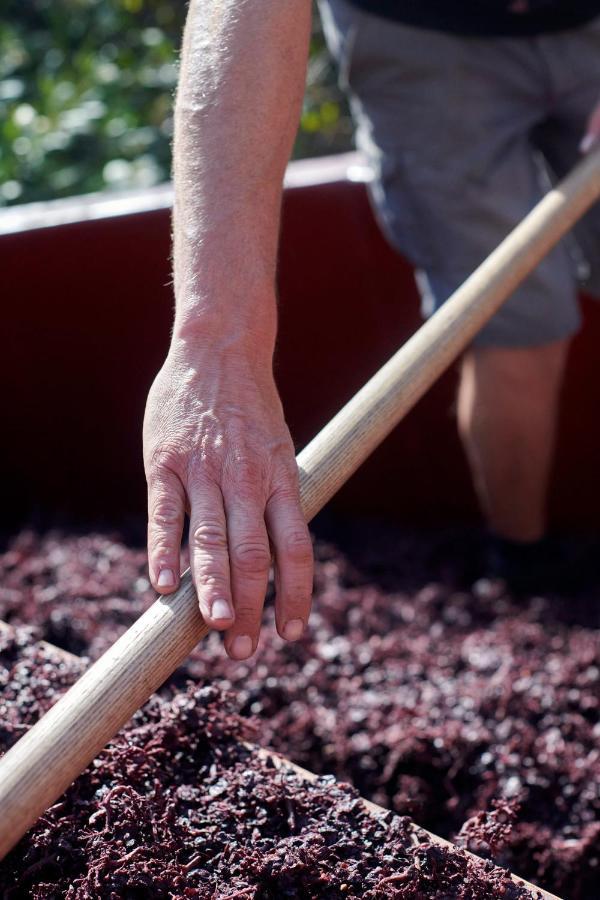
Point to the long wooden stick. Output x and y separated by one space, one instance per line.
36 771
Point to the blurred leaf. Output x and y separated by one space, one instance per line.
86 96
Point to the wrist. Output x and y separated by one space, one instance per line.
210 342
246 326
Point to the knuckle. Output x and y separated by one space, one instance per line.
166 513
203 467
247 474
297 547
251 557
286 491
165 458
209 537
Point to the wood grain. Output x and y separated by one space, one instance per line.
36 771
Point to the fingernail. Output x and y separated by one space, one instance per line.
241 647
166 578
587 143
221 610
293 629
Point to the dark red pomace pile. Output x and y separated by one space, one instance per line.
177 807
475 714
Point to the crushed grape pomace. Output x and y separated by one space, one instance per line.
472 713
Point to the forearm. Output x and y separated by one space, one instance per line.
241 86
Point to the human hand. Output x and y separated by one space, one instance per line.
216 445
592 132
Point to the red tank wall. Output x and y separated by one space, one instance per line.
86 315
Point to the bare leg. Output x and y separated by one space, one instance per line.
507 412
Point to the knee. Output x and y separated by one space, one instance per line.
516 368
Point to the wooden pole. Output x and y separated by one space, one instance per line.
36 771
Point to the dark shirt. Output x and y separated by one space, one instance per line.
487 17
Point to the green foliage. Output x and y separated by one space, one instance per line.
325 124
86 93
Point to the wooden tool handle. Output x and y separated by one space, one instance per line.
36 771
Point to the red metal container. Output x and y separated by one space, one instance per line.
85 324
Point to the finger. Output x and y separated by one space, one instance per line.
250 561
209 559
293 553
166 504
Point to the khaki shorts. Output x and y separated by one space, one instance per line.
463 134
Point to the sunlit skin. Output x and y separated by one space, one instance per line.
507 415
215 441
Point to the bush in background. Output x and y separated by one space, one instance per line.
86 95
